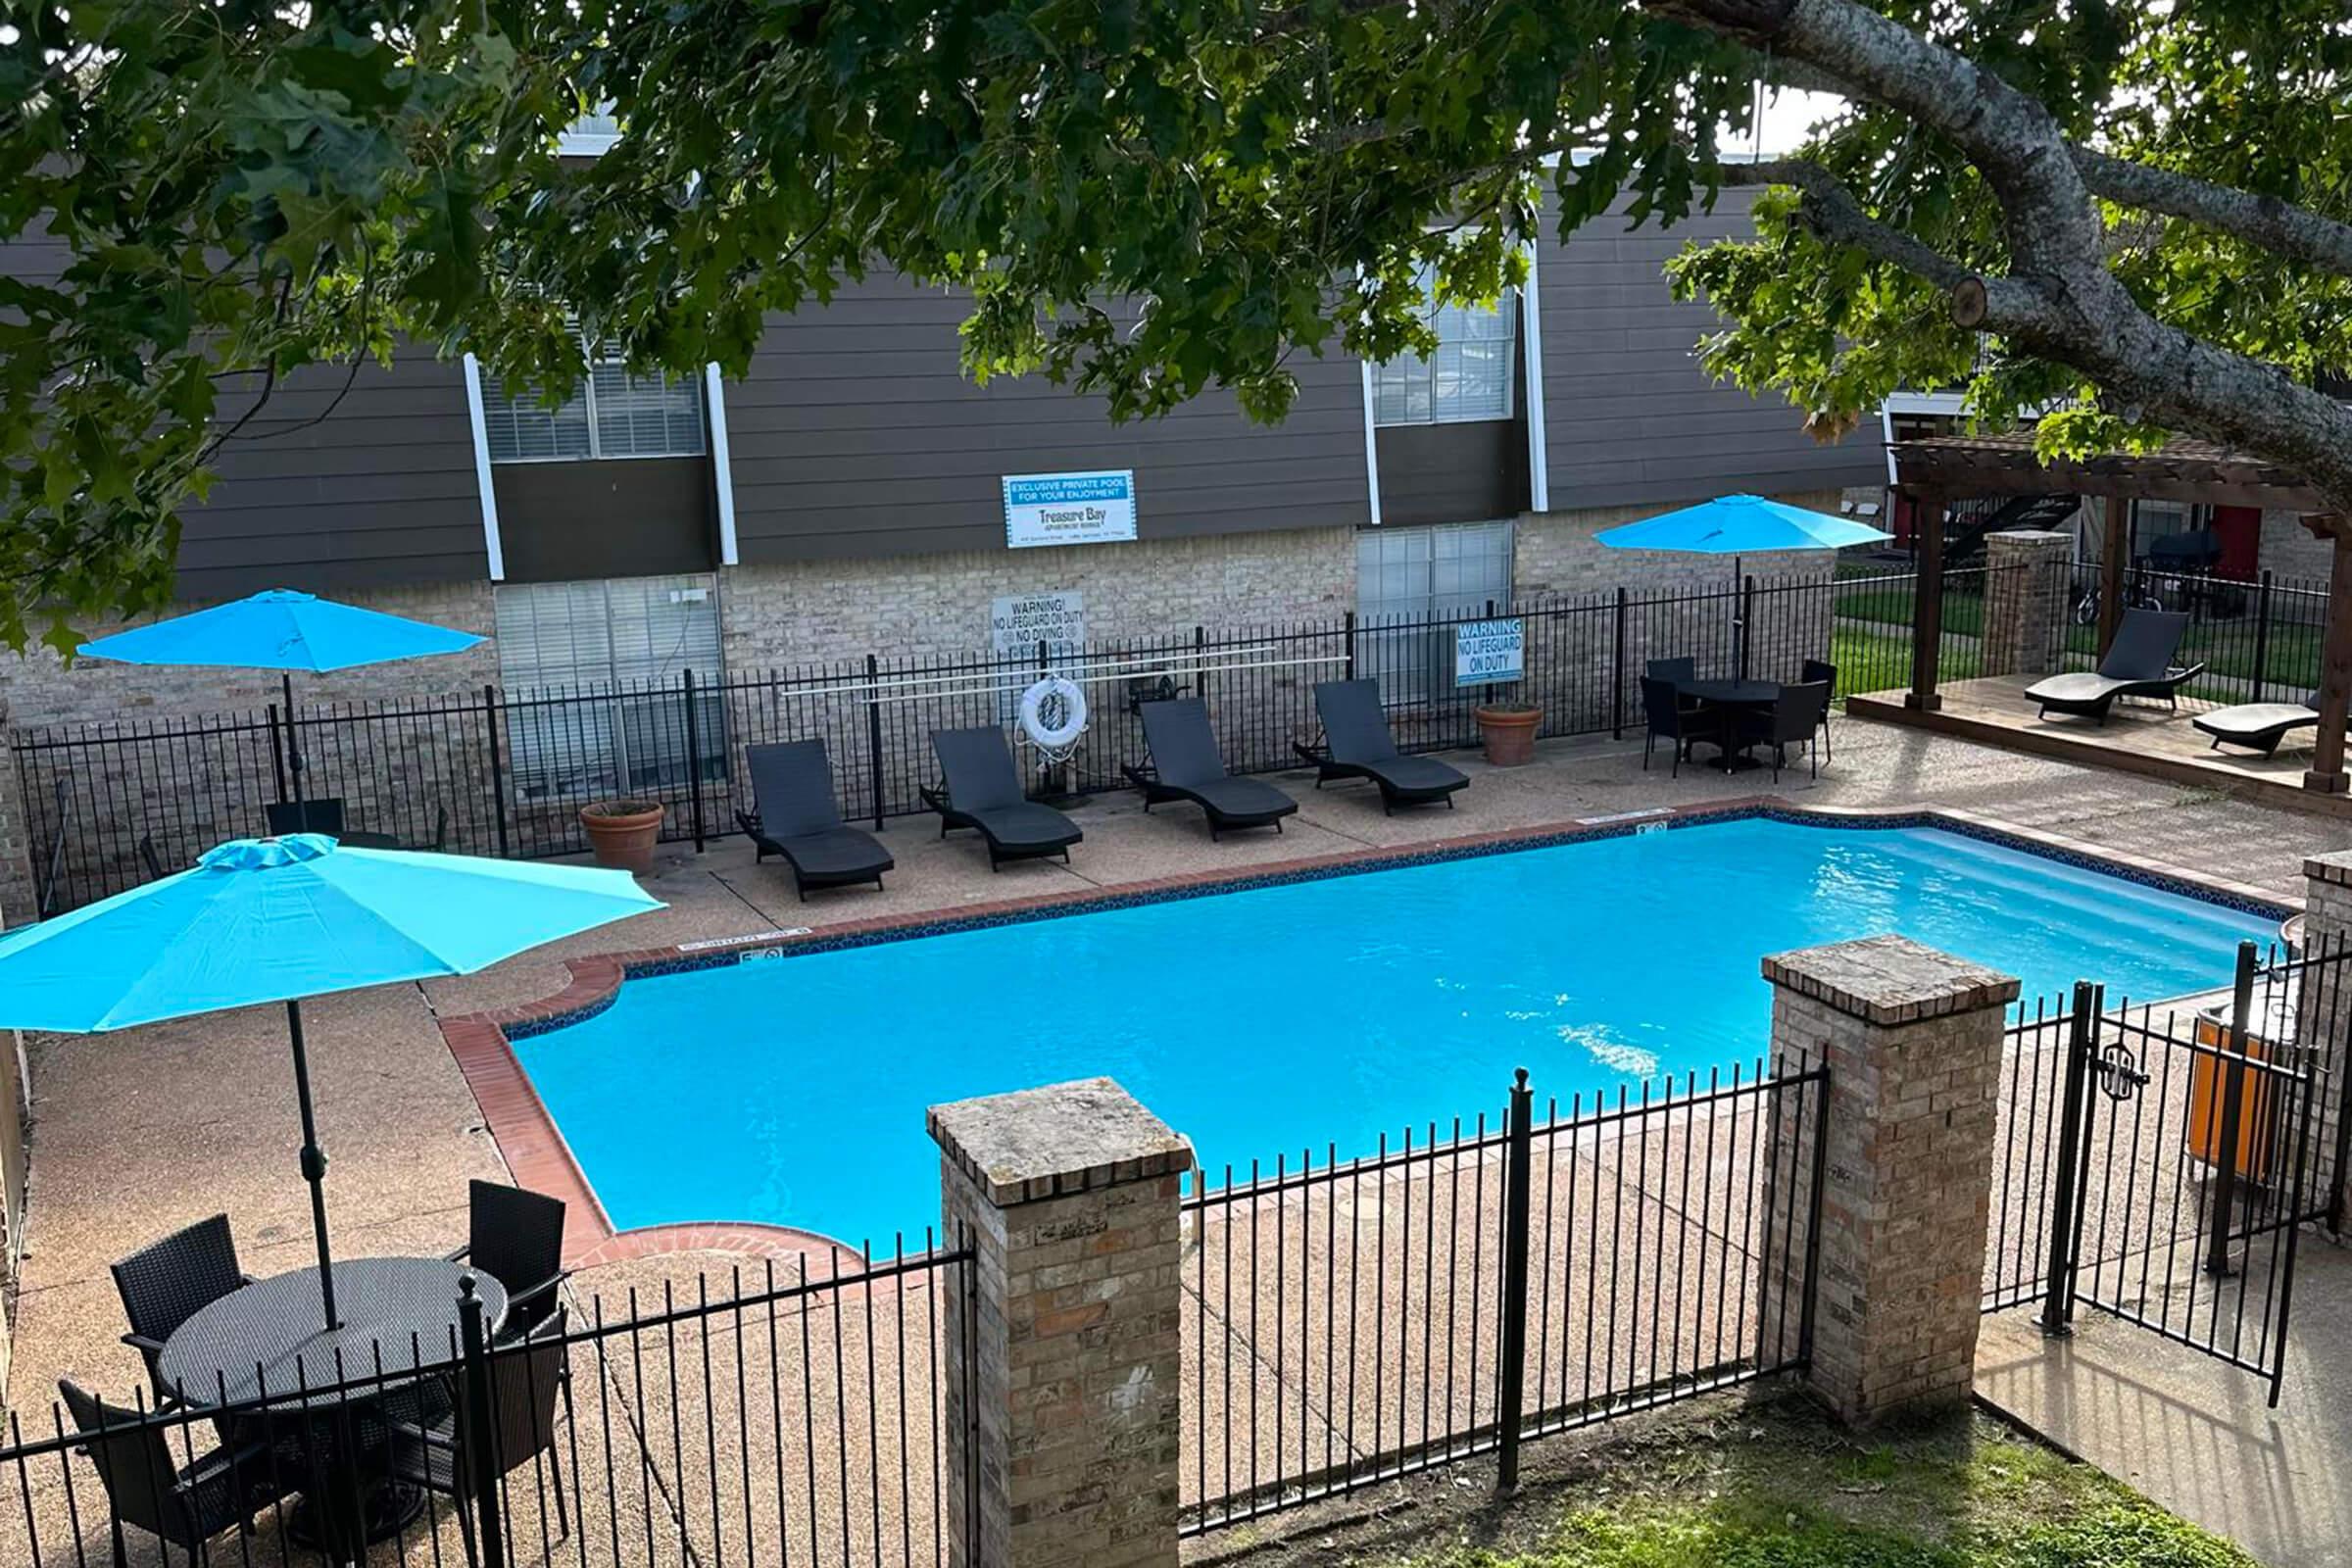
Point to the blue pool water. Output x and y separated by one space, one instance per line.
792 1090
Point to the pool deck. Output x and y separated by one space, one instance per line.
138 1133
2138 737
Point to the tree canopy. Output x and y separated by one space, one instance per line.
2115 219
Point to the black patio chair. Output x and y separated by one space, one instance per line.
516 1236
1677 719
794 815
1358 744
147 1489
982 789
1186 765
1794 717
525 1379
1681 671
322 816
2259 726
165 1284
1821 672
360 838
2139 663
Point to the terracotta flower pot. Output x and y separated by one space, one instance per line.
623 833
1510 733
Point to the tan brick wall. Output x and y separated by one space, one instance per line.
2290 550
40 689
939 605
1912 1039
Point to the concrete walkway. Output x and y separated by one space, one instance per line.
2193 1433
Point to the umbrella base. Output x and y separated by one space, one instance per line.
342 1526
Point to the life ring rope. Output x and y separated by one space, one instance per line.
1054 714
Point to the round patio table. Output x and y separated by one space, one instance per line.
271 1339
1734 697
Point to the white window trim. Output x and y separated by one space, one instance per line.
491 546
1371 446
1531 365
722 469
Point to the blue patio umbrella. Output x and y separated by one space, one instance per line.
275 920
1736 527
283 630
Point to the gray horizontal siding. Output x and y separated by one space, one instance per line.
380 490
857 433
1630 417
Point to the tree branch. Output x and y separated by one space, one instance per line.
2296 233
2084 318
1833 212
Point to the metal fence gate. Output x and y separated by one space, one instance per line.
2159 1162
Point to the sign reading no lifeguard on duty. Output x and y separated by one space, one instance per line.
1069 509
1490 651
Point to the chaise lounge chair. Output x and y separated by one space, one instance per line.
2260 726
983 791
2140 664
1358 745
794 815
1186 766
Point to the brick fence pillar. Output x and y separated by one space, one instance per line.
1912 1038
1067 1458
2323 1009
2026 584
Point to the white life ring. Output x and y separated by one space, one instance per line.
1053 714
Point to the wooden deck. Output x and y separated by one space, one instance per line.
2140 738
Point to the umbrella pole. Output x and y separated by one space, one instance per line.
313 1165
293 749
1738 622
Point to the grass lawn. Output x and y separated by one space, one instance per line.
1870 661
1891 605
1778 1486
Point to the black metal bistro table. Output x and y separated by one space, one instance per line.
1734 698
270 1342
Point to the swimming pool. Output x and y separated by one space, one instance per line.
791 1090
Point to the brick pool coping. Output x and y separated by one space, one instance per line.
536 1154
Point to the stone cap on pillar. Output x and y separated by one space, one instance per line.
1889 980
2333 868
1064 1137
2033 536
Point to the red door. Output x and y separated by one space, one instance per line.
2239 530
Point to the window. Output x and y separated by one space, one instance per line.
611 415
595 703
1406 579
1469 377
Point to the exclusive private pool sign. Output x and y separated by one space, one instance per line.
1069 509
1488 653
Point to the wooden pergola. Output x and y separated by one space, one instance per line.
1936 470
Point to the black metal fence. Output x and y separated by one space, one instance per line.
793 1416
2159 1162
1356 1321
505 773
2258 641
